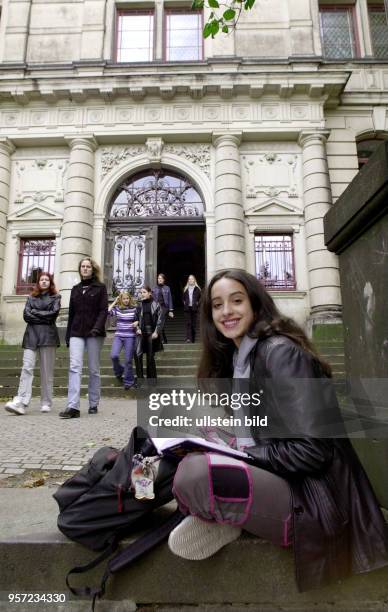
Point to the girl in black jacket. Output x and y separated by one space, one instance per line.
41 337
301 486
88 310
149 329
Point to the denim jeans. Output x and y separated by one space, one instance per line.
128 344
93 347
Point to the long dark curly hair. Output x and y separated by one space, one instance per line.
217 354
36 290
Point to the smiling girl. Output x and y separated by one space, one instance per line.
299 489
40 338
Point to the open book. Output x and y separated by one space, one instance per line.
179 447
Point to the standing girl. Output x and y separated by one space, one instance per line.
191 300
40 338
150 325
300 487
124 309
88 310
162 295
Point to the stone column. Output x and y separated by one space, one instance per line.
6 150
323 269
77 226
229 212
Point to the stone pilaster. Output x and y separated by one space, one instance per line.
77 227
229 212
6 150
323 270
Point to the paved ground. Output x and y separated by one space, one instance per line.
44 441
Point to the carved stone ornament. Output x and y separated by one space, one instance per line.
113 156
154 148
270 174
39 179
198 154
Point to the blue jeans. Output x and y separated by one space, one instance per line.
128 344
93 347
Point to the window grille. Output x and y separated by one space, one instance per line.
379 31
156 194
36 255
275 261
183 36
135 36
337 32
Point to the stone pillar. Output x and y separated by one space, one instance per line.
229 212
323 268
6 150
77 227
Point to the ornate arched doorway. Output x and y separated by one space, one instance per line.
155 224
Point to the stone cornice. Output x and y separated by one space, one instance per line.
52 84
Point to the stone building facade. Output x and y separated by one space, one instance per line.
125 136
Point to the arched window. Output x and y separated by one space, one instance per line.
365 148
156 193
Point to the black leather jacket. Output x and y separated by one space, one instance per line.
337 523
40 314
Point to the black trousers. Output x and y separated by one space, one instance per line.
165 312
147 347
191 322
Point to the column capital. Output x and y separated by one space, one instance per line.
6 146
87 141
234 138
308 136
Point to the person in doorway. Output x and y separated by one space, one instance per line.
124 309
191 301
303 490
88 310
162 295
40 338
149 330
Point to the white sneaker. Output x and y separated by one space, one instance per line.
45 408
15 406
195 539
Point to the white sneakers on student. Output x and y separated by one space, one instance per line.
15 406
196 539
45 408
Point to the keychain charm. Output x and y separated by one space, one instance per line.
143 476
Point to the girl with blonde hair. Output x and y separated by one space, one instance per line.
124 309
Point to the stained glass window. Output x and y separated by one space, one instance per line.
337 32
275 261
379 31
183 36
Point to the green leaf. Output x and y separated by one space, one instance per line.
225 29
207 30
229 14
248 4
197 5
213 4
214 27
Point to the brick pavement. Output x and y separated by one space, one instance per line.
44 441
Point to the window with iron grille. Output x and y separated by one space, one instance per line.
379 31
135 36
338 32
275 261
183 36
36 255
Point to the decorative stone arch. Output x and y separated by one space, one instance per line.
169 162
367 141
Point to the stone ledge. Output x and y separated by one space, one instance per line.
36 557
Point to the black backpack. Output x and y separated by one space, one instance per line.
98 507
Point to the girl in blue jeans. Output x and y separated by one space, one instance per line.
124 309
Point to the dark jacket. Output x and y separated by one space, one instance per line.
337 523
87 311
157 319
196 299
166 295
40 314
